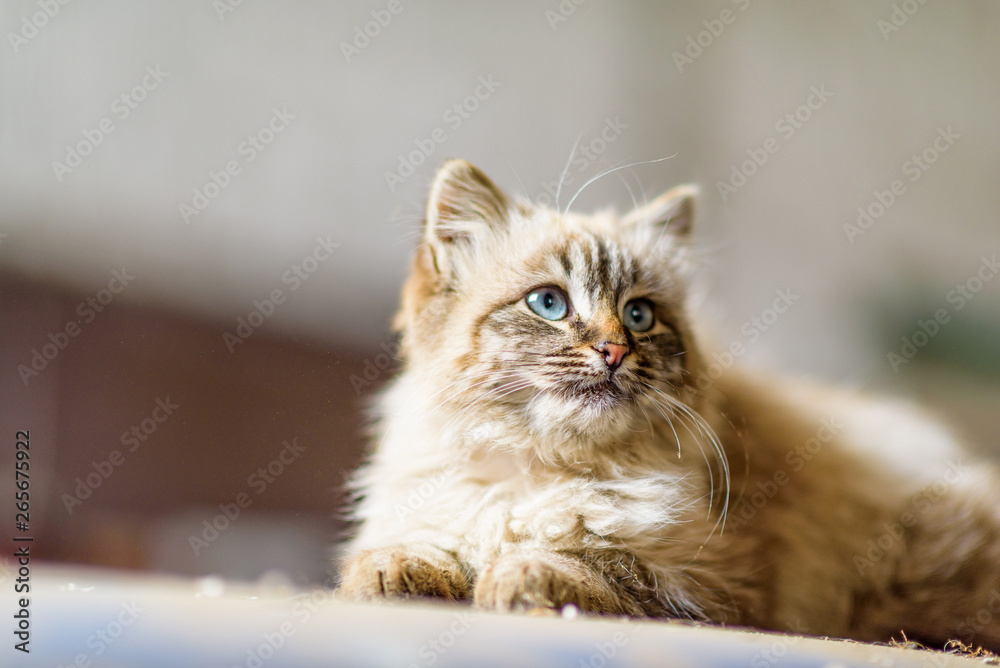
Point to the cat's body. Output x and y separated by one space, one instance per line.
554 438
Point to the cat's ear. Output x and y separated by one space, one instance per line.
672 211
463 202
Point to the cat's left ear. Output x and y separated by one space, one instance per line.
673 210
463 202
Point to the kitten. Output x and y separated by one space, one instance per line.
553 438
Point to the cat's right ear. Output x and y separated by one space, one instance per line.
463 202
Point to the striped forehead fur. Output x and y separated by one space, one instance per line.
596 251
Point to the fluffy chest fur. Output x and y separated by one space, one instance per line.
477 488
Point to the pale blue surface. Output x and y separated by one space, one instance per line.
188 624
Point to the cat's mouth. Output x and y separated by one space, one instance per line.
607 390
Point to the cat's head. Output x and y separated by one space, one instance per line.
573 325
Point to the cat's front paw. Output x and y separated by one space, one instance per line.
402 572
522 583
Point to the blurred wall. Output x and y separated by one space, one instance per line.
152 446
268 162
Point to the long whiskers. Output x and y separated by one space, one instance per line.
679 409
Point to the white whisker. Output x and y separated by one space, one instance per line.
699 422
562 177
611 171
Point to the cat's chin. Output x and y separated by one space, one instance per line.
596 410
603 395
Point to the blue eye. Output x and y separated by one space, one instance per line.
550 303
638 315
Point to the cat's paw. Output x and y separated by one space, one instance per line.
402 572
523 583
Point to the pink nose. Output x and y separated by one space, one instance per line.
613 353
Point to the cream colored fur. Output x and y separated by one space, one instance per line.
753 501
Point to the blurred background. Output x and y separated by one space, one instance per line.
207 209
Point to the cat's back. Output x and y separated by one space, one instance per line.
809 428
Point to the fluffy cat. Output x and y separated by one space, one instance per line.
554 438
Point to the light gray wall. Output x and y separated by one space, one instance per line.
324 175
